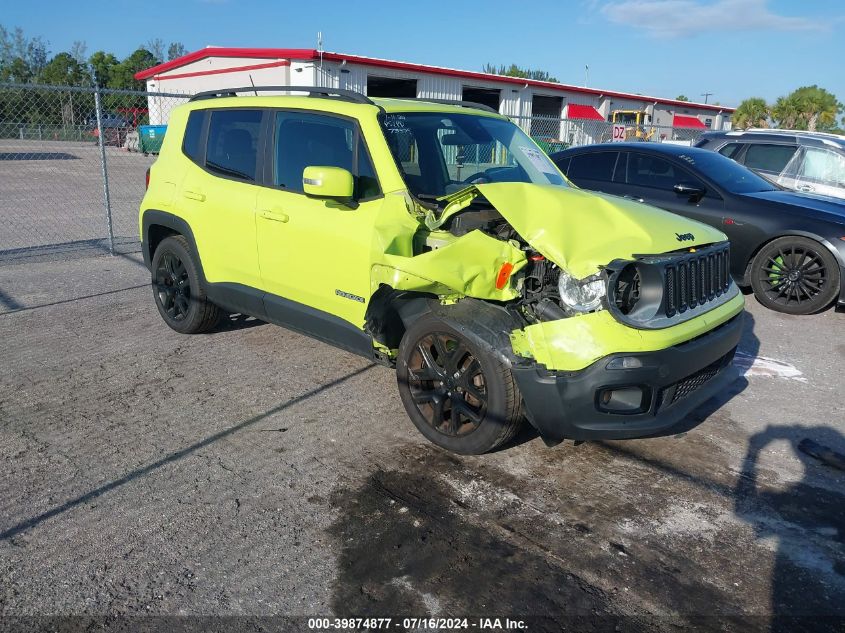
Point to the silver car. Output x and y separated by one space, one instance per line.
812 162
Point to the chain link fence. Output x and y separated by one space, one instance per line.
73 162
554 135
72 166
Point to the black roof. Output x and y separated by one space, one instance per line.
654 148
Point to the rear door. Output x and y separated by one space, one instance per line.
593 170
768 159
218 195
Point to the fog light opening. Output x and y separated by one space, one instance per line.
623 399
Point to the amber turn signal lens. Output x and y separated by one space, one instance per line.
503 276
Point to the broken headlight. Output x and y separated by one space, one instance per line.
582 295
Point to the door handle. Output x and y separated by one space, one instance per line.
276 216
194 195
804 188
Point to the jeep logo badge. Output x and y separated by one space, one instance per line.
685 237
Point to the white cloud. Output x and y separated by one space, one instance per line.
675 18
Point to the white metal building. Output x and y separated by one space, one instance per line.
215 68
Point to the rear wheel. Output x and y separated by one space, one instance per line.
456 391
795 275
177 288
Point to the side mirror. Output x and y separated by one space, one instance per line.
332 183
693 192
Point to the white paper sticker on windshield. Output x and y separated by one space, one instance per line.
537 158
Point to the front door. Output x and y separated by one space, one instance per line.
314 252
653 178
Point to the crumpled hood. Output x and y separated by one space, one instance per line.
581 231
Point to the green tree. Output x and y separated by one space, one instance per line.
123 74
516 71
817 107
786 113
176 49
102 65
63 70
22 58
682 98
753 112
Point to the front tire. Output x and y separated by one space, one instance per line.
795 275
456 391
177 288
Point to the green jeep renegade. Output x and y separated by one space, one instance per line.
440 240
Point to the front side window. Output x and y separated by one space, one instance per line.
645 170
441 153
823 166
306 140
769 157
232 148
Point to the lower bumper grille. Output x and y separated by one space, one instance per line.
692 383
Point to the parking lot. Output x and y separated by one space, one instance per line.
252 471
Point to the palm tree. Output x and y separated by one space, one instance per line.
816 106
787 113
753 112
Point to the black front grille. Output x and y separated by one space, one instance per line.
695 279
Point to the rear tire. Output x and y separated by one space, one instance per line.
177 288
456 391
795 275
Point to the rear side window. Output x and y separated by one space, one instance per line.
193 133
730 150
232 148
592 166
769 156
304 140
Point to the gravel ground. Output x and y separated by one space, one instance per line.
254 472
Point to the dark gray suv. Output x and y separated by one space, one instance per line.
812 162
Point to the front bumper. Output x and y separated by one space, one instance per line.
675 380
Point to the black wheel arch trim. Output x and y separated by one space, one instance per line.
155 217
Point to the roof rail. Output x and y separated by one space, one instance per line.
455 102
345 95
777 130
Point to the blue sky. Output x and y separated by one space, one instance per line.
732 48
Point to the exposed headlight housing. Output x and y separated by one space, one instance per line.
583 295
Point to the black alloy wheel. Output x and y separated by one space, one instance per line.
173 286
457 389
795 275
447 384
178 288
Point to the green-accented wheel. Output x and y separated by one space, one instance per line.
795 275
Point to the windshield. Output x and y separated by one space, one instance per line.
442 153
727 174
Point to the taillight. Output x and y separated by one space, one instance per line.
147 180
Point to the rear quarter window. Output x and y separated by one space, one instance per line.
193 135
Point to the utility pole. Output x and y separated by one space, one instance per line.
706 95
586 75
